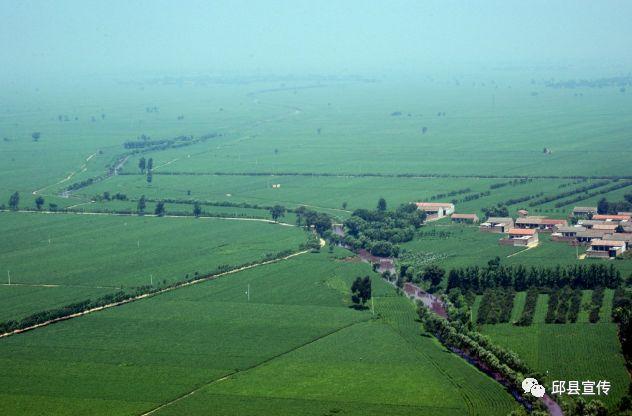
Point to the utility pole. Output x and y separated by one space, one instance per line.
9 276
248 292
151 279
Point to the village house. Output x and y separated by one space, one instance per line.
608 226
611 217
520 237
584 237
466 218
566 233
590 223
626 238
522 213
584 212
539 223
605 249
436 210
497 225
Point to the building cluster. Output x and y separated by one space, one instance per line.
605 235
523 232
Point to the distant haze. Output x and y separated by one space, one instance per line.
72 38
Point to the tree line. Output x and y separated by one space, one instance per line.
478 279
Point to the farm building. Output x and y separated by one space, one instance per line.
584 212
520 237
605 249
590 223
611 217
497 225
587 236
468 218
539 223
629 214
608 226
522 213
626 238
566 233
436 210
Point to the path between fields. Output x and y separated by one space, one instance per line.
252 367
149 295
82 168
521 251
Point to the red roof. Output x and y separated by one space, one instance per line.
611 217
521 231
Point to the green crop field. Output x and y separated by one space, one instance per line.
593 354
61 258
579 351
282 338
211 336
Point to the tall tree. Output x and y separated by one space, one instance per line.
142 204
381 204
39 201
160 209
14 200
142 164
197 209
602 206
433 274
150 164
361 291
277 212
150 176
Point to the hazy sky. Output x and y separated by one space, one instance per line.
106 37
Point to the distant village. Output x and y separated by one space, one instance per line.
605 236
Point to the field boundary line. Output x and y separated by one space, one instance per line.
118 214
52 285
152 294
252 367
383 175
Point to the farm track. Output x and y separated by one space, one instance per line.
149 295
252 367
82 168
